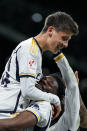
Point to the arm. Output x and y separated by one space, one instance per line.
24 119
28 74
83 114
72 104
83 110
32 93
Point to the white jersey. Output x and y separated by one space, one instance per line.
70 119
43 113
19 78
42 110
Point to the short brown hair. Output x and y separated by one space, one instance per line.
61 21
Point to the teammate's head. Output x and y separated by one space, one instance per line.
61 21
60 83
48 84
58 30
52 84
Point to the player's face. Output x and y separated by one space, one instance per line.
48 84
58 40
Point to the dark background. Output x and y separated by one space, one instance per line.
17 24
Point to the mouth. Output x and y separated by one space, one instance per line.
57 49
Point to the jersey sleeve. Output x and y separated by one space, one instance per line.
28 62
42 111
72 102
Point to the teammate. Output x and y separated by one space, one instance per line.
24 66
70 118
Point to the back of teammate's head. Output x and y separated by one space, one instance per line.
61 21
52 83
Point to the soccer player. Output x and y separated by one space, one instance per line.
24 67
70 118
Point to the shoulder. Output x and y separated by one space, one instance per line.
30 46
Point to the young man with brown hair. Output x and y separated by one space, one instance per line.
24 67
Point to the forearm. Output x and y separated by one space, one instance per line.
83 117
83 123
71 82
83 114
23 120
30 92
72 103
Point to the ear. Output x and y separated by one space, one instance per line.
50 30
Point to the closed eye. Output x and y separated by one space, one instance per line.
65 38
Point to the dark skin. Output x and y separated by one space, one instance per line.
23 120
83 115
26 119
48 84
83 110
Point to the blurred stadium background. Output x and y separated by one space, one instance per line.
21 19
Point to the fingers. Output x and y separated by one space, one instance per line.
76 73
77 77
52 111
56 112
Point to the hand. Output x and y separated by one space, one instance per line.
55 111
77 77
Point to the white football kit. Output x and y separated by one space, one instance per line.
70 119
43 113
18 80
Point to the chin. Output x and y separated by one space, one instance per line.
56 52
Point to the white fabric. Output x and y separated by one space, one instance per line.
21 73
43 112
70 119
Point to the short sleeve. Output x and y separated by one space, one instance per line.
28 60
